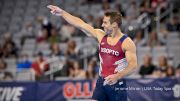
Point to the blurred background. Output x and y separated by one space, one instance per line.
35 45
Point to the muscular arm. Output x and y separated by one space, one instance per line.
130 52
77 22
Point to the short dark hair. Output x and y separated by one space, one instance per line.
115 16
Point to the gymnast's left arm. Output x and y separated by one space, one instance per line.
129 48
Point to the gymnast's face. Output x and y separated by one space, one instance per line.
107 25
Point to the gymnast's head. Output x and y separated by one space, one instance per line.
112 20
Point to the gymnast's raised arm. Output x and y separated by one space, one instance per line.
77 22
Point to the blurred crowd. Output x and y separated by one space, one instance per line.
45 32
163 69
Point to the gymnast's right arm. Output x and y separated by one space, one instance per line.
77 22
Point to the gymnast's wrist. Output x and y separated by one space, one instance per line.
63 13
119 75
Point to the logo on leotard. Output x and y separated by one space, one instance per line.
102 43
110 51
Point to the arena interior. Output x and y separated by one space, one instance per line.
36 46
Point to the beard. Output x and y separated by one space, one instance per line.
109 32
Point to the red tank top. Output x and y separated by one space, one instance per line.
112 58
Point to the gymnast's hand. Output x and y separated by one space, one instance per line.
111 79
55 10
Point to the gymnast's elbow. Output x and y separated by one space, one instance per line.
134 65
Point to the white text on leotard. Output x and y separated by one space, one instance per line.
110 51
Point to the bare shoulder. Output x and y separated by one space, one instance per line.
99 30
99 34
128 44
